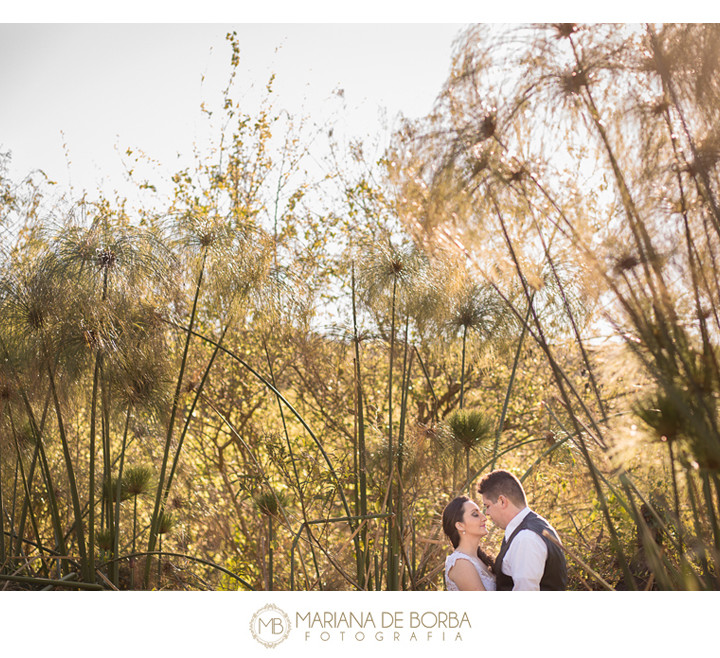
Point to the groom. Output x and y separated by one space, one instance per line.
528 560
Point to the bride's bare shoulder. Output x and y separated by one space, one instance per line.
464 574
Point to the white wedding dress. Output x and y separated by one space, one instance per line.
487 578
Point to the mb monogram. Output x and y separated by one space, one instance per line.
270 625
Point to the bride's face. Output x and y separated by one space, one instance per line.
474 521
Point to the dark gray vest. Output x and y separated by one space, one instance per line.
555 575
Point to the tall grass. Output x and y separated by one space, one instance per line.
169 418
653 260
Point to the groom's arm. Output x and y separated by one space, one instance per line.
528 558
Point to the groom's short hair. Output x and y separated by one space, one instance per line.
502 482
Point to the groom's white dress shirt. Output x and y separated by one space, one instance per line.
525 559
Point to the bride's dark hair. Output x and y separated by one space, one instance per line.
452 514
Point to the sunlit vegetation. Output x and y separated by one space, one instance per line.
276 380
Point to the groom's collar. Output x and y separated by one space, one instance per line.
516 521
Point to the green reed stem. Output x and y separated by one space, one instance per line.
118 499
2 517
405 383
152 538
697 519
91 474
26 487
462 367
296 472
106 450
13 504
392 545
77 512
37 437
710 509
427 378
676 495
271 539
363 556
399 525
391 456
511 382
392 571
189 416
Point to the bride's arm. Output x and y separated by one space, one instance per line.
465 576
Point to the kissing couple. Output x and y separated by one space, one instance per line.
528 560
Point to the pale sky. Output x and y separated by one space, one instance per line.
78 91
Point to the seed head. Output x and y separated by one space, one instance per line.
487 126
572 82
104 539
166 523
564 30
105 258
626 262
137 480
269 503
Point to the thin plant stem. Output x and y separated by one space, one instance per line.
406 369
696 521
392 554
364 554
91 467
107 444
134 536
462 367
26 488
47 476
190 413
427 378
118 498
79 532
391 456
152 538
511 382
270 552
159 561
676 495
2 517
301 496
710 507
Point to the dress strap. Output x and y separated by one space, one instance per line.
459 555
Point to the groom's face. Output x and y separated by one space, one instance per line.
495 509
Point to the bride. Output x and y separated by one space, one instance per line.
468 567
